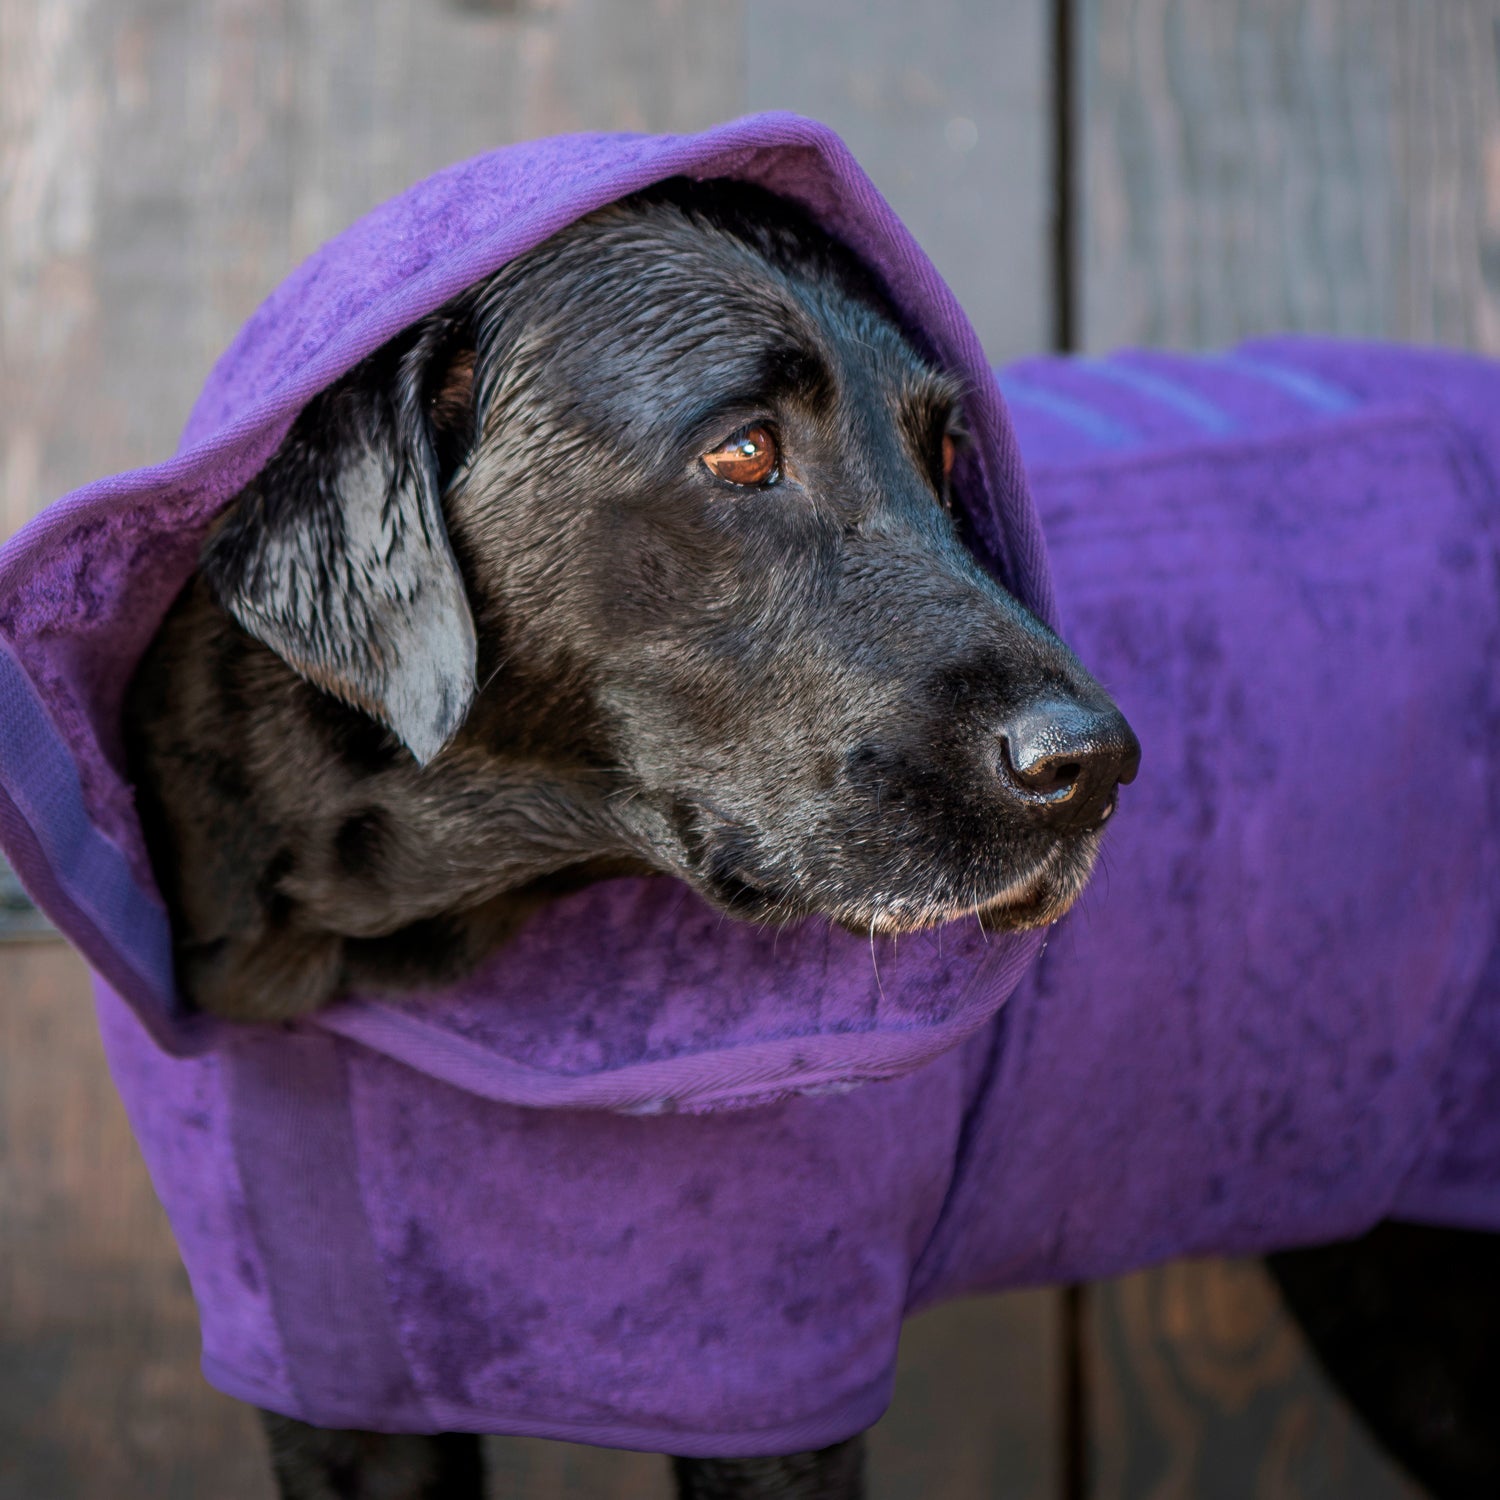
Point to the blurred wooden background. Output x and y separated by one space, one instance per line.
1086 172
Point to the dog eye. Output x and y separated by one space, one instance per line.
947 456
750 457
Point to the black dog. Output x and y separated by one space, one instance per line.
635 558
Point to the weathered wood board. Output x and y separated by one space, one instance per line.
975 1413
166 165
946 105
1253 166
1201 1388
1246 165
100 1393
161 167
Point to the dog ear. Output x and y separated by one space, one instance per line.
336 555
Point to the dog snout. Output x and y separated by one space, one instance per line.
1067 759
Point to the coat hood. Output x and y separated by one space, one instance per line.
633 994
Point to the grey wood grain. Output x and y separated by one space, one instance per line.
163 165
1253 166
100 1393
946 106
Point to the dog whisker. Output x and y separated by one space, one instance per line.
875 964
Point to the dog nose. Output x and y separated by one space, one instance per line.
1070 757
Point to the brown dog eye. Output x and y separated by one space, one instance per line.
749 457
950 452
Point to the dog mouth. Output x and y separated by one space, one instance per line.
1038 896
1045 894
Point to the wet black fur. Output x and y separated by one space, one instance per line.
486 628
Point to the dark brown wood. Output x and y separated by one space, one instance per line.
521 1467
1253 166
1203 1390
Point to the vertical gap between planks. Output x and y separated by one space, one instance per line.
1072 1427
1064 178
1073 1470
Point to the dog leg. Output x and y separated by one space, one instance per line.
836 1473
315 1463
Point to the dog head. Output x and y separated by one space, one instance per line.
655 527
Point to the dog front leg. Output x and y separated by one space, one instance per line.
317 1463
835 1473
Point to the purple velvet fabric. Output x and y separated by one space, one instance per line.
521 1207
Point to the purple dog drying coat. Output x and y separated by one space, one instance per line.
526 1205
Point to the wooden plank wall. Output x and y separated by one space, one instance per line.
161 167
1241 165
1248 166
946 105
1294 165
